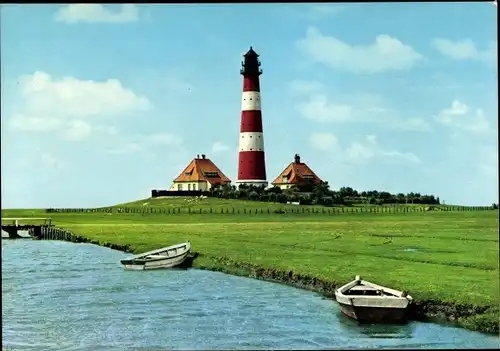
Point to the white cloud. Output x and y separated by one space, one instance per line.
77 131
408 156
466 50
385 54
362 108
72 97
219 147
323 141
34 124
51 104
460 117
325 10
93 13
359 151
319 109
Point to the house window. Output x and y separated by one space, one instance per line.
179 187
189 187
211 174
194 186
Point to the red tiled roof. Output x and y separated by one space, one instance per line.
295 173
197 171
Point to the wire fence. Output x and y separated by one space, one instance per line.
268 210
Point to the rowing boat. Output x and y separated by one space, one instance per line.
166 257
367 302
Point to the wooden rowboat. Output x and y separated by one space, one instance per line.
167 257
371 303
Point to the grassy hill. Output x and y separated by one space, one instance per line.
217 203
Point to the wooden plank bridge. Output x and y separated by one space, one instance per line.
31 224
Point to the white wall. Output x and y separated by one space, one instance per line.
204 185
285 186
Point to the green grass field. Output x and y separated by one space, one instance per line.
444 256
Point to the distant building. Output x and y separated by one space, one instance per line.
296 173
200 174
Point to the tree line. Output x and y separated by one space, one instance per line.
319 194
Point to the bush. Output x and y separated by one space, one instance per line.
273 197
327 201
495 206
306 200
282 198
253 196
349 203
264 197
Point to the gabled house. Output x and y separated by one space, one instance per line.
296 173
200 174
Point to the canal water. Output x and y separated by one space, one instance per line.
64 296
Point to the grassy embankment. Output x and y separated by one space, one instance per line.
443 258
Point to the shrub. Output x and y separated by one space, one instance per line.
242 194
327 201
264 197
253 196
273 197
282 198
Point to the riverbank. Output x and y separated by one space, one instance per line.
477 318
434 256
78 298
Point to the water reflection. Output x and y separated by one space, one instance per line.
376 331
64 296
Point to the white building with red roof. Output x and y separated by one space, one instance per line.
200 174
296 173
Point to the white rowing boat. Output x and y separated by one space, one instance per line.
371 303
167 257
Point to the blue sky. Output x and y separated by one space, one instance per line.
101 104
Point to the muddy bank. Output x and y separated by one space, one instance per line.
478 318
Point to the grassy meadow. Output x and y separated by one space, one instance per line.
448 256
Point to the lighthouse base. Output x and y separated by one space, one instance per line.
252 182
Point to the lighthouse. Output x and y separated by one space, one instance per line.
251 158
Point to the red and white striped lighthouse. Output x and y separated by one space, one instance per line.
251 162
